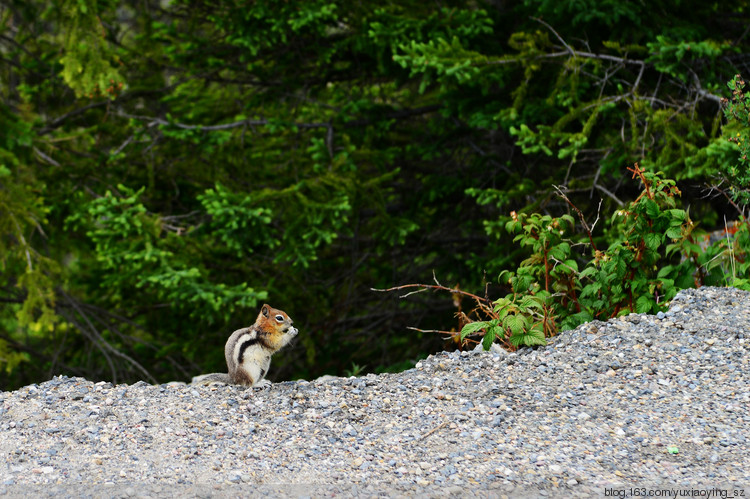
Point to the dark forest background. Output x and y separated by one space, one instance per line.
167 167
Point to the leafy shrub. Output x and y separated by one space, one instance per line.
652 254
737 131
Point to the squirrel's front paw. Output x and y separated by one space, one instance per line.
264 383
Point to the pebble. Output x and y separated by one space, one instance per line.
598 407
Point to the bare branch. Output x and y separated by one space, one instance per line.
740 211
122 146
567 47
610 194
586 226
587 55
479 299
86 332
110 325
701 92
40 355
439 331
482 303
154 121
103 344
598 213
23 242
638 79
60 120
45 157
434 278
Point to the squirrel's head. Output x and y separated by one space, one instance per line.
277 319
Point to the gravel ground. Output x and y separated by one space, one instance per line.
630 407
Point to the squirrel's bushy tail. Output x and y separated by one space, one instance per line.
206 379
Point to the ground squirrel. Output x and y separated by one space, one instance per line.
248 350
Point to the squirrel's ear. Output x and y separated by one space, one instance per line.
264 310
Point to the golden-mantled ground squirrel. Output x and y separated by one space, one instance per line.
248 350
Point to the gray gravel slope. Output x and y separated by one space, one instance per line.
637 404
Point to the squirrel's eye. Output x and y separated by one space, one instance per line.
280 318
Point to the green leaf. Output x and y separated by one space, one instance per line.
571 264
652 240
489 337
472 327
674 232
588 272
529 338
652 209
516 323
643 304
560 251
665 271
530 302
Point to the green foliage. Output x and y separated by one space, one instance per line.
356 370
445 60
630 276
237 221
517 320
670 56
737 131
304 153
88 60
29 274
133 247
637 273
